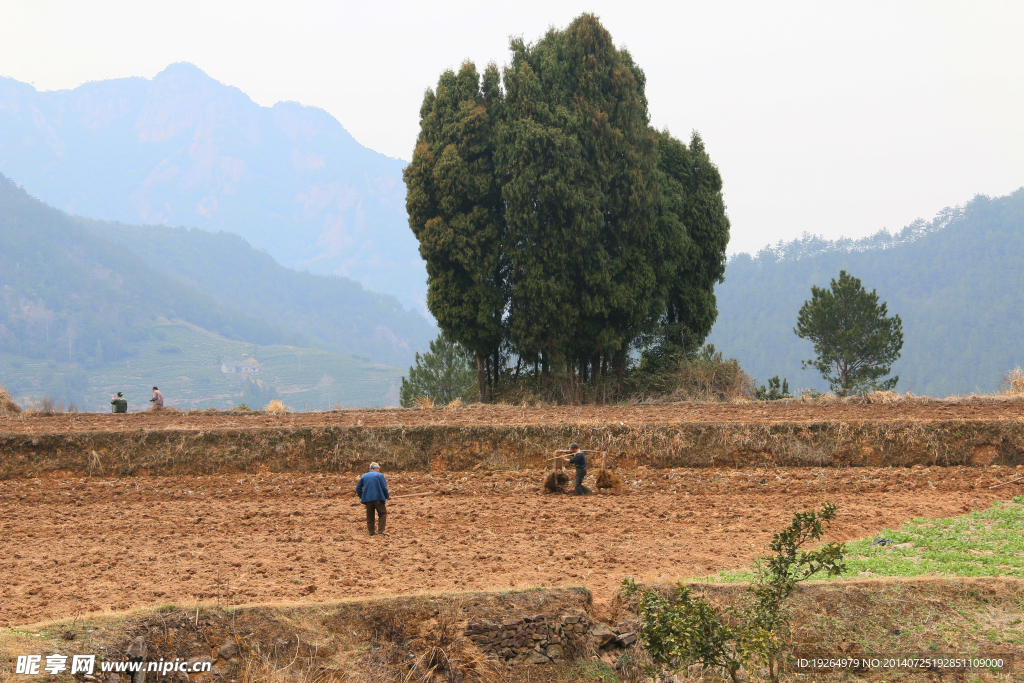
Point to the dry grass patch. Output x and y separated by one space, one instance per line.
8 408
1013 382
275 407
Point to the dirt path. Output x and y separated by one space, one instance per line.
918 409
71 545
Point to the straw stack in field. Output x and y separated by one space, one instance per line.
556 482
8 408
609 480
275 406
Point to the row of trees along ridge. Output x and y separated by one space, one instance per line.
556 223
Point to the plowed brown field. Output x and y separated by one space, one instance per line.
474 415
79 545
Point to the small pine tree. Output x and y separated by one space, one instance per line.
774 391
442 375
855 341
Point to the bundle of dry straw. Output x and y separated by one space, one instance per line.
8 408
275 406
556 482
609 480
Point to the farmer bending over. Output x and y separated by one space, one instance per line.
372 490
579 459
157 400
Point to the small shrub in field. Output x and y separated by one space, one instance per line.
47 406
242 407
810 394
7 405
882 397
704 375
774 391
423 402
688 630
444 374
1013 382
275 406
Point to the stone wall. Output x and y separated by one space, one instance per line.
542 640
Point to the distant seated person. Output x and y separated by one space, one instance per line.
119 402
157 400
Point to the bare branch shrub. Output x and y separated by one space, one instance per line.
1012 383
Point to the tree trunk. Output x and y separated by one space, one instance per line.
544 375
597 379
497 363
481 377
570 382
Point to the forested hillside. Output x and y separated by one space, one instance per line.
957 282
89 304
325 312
69 294
184 149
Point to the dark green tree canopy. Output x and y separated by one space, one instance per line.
855 341
694 211
578 162
454 207
555 221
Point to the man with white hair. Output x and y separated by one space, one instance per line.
372 490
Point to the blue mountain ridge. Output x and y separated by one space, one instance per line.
184 149
957 282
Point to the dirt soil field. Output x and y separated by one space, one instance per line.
80 545
916 409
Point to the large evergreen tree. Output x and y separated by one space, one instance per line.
553 217
455 211
579 165
855 341
695 211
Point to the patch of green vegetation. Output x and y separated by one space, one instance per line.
593 671
301 378
169 607
982 543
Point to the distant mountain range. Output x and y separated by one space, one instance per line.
185 150
79 294
957 282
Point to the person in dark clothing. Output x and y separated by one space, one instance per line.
119 402
579 459
372 490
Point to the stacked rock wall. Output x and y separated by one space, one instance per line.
540 639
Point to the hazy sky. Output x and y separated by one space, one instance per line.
828 117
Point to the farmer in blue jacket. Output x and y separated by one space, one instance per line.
372 490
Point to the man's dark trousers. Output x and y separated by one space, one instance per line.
382 515
577 483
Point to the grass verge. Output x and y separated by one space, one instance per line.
982 543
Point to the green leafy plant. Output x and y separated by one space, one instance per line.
774 391
243 406
687 629
440 376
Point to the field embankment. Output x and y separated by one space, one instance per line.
906 433
547 635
